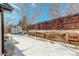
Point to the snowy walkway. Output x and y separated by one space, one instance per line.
33 47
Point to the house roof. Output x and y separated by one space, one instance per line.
6 6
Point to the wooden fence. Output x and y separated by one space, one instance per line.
66 22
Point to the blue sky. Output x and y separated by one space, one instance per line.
43 15
29 10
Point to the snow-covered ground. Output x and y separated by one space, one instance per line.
58 31
32 46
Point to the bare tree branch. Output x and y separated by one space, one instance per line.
54 11
73 8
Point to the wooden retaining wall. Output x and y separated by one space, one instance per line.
72 38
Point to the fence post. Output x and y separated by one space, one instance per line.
0 34
67 38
